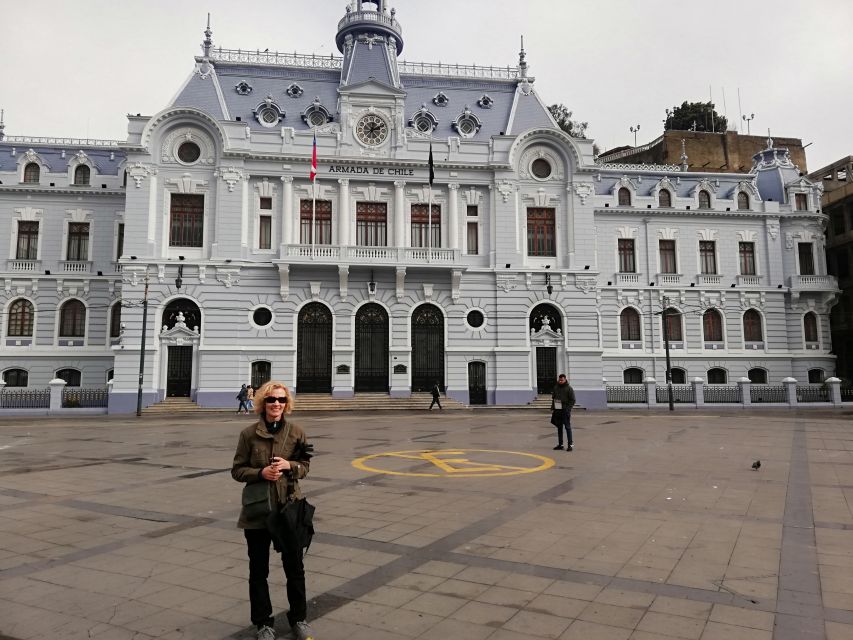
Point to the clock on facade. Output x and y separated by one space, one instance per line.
371 130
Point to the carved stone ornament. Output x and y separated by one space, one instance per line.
507 281
231 176
773 230
169 151
583 191
586 283
138 172
229 276
505 187
186 184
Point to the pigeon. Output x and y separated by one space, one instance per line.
756 465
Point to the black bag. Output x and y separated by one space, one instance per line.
557 417
257 500
292 527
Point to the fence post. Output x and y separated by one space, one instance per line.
834 385
698 392
745 396
790 391
651 391
3 385
56 387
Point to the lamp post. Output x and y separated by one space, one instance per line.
142 347
748 120
634 131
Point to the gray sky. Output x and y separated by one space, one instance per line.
75 69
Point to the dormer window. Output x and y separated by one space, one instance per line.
485 101
268 113
664 198
704 199
243 88
440 100
316 115
82 175
467 124
32 173
423 121
742 200
294 90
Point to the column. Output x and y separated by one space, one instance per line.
343 213
745 391
399 213
287 210
56 387
698 392
834 385
790 385
453 213
651 391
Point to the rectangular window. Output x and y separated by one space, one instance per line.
541 232
473 210
266 203
667 256
801 201
707 256
423 226
28 241
747 258
186 220
806 258
78 241
626 256
843 264
837 222
473 244
120 241
371 224
322 213
265 232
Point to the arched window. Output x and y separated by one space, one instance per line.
82 175
815 376
810 327
712 325
673 325
115 320
752 326
20 319
664 198
717 376
742 200
545 316
72 320
190 314
704 199
630 324
679 376
632 376
624 197
110 374
757 376
15 377
71 377
32 173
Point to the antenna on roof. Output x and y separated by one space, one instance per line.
769 139
522 63
208 40
2 125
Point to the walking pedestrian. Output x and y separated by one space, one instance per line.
436 396
250 397
562 400
242 397
273 450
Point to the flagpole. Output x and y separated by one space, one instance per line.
429 226
313 190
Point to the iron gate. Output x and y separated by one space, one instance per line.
476 383
427 348
314 349
179 375
371 348
261 371
546 369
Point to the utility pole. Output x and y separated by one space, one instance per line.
142 347
666 348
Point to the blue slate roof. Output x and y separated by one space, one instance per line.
530 113
368 62
53 157
201 93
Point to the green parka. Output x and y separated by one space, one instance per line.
565 394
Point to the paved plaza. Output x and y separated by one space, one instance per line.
452 525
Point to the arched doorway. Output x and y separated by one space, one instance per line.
314 349
371 348
427 347
546 335
184 315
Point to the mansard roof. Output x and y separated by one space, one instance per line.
106 157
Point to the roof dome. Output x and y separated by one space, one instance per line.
366 17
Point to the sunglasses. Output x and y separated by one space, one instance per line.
273 399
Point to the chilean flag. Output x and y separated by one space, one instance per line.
314 160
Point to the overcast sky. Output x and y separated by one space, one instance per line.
74 69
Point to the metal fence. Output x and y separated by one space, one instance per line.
767 393
846 394
722 393
79 397
680 393
812 393
627 393
25 398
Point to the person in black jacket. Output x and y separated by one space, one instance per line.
563 399
436 396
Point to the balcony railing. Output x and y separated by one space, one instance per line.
76 266
23 265
668 278
628 278
367 255
458 70
277 58
356 17
709 278
749 281
814 282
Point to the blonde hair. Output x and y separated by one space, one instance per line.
265 390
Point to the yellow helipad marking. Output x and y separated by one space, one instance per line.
453 463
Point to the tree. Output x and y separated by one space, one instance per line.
564 120
696 116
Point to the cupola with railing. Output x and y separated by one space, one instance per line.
369 17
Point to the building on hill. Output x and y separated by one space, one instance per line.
522 259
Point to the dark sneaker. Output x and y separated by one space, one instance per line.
559 446
266 633
301 631
571 447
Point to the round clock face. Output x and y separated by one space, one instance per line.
371 130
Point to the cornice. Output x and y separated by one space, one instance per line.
14 188
712 213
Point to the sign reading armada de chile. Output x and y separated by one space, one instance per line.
373 171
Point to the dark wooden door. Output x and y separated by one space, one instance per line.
314 349
476 383
371 348
546 369
427 348
179 376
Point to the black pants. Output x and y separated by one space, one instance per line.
435 400
567 424
258 542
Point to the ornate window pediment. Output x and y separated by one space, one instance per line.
423 120
268 113
316 115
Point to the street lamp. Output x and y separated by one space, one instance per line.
747 120
663 314
142 347
634 131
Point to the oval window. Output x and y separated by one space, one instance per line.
541 168
189 152
262 316
475 319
